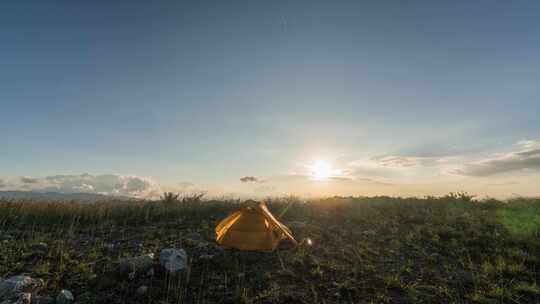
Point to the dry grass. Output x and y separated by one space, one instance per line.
365 250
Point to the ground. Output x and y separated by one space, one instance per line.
363 250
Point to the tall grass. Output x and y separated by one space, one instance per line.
517 215
451 249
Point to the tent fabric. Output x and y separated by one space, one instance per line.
252 228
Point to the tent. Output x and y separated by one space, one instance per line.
252 228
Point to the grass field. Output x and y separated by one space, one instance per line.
364 250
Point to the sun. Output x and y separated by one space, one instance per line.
321 170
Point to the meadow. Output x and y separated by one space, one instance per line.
451 249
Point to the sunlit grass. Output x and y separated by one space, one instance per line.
520 218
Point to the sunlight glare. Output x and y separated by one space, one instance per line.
321 170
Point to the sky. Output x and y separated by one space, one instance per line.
271 98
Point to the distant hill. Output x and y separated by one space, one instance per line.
56 196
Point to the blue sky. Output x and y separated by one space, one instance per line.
206 93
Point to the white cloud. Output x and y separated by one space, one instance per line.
108 184
29 180
529 144
527 158
185 188
396 161
382 166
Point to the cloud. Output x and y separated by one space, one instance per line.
393 161
341 178
369 180
526 159
437 149
338 179
186 185
108 184
379 170
529 144
2 184
249 179
382 166
184 188
29 180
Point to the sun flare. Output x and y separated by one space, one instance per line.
321 170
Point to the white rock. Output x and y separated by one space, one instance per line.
64 297
173 259
138 264
22 298
13 286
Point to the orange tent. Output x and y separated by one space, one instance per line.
252 228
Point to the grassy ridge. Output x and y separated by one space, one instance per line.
379 250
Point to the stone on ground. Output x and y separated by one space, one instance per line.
173 259
14 286
64 297
139 264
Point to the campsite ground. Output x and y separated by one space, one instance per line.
364 250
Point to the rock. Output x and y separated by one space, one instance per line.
173 259
25 298
22 298
64 297
14 286
137 265
141 291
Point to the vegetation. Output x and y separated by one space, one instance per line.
452 249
